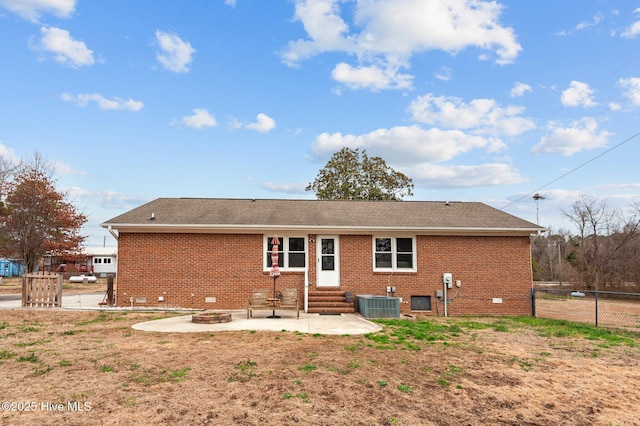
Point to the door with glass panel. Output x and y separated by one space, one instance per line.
328 261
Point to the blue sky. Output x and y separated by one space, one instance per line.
474 100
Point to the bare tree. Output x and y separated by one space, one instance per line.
603 234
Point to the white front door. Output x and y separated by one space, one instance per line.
328 261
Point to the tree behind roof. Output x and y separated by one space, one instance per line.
346 177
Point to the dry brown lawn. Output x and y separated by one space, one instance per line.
89 367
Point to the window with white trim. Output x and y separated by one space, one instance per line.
394 254
292 253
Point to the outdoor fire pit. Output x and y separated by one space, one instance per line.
211 317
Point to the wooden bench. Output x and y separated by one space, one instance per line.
289 300
258 301
261 301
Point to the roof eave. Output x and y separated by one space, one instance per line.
259 228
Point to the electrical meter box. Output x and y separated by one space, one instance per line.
447 279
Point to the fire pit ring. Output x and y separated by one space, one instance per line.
211 317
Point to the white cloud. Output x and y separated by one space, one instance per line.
596 20
175 54
519 89
582 135
200 118
388 32
403 27
631 88
578 94
8 154
443 74
64 48
461 176
231 3
634 29
31 10
287 188
404 145
326 30
483 116
103 103
423 155
107 199
114 200
66 169
371 77
263 123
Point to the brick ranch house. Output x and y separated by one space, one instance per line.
211 254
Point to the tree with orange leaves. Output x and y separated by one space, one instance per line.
37 218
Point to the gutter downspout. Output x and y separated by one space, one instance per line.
306 283
533 291
445 300
306 290
112 232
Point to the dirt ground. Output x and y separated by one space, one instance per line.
87 367
615 313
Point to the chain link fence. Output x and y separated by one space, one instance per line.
602 308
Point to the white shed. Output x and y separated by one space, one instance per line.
103 260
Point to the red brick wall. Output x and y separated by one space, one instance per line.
487 267
187 268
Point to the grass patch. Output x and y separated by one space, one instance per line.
5 354
244 374
307 368
71 332
178 375
35 342
405 388
500 327
408 334
151 376
32 357
303 396
42 370
563 328
130 402
353 365
413 335
106 369
103 317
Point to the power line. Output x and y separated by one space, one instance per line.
573 170
563 107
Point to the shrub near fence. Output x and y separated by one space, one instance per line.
602 308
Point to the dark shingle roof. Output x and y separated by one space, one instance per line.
235 215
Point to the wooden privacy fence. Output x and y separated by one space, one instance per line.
42 290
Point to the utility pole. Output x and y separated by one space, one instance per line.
537 197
